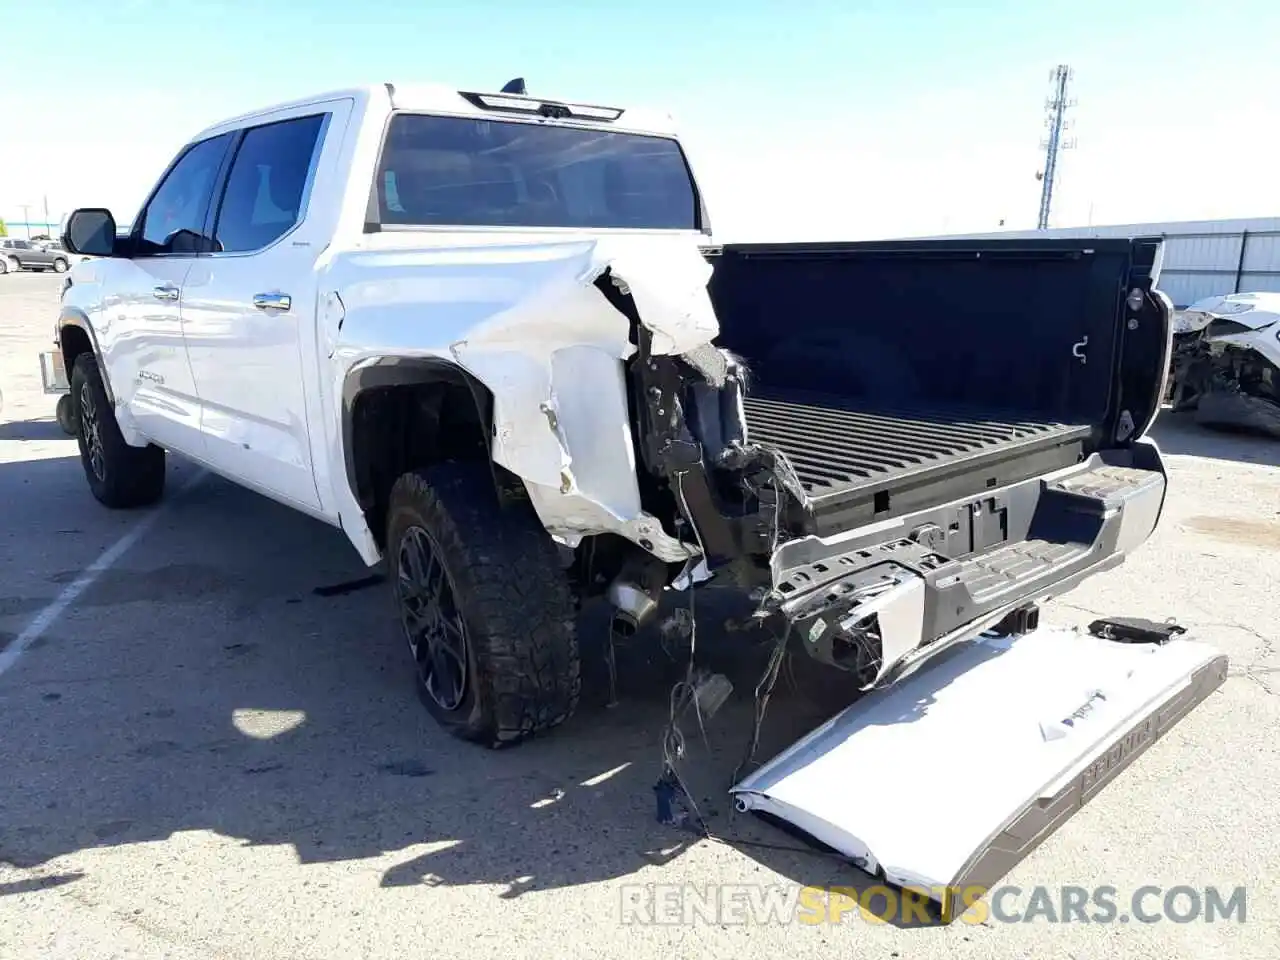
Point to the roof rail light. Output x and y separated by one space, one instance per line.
533 106
520 104
594 113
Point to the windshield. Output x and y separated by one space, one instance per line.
490 173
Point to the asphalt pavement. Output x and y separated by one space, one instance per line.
202 756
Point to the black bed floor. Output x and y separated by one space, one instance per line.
835 446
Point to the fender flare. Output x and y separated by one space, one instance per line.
74 317
404 371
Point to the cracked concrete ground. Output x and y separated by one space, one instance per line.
203 758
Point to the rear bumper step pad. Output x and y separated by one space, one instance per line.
1042 538
946 780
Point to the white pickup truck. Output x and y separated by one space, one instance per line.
488 334
489 337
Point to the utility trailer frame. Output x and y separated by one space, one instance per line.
53 377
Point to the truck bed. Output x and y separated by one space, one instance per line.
861 463
905 375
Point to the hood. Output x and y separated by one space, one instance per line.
1253 311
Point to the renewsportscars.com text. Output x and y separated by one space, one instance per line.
750 904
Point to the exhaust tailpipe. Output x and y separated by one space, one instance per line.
635 593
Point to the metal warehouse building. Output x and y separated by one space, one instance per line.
1202 258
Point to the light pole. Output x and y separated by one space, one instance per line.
26 217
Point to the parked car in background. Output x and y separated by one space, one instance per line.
8 262
28 255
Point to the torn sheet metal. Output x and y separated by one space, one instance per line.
1252 311
552 358
950 777
668 283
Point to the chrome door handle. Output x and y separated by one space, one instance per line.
272 301
165 293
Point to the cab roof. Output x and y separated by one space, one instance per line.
443 99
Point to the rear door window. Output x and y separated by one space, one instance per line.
266 190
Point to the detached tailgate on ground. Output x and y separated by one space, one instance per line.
950 777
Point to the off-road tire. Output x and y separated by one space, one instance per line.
1236 411
129 476
511 593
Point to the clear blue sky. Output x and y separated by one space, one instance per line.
805 118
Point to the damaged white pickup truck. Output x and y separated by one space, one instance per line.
488 336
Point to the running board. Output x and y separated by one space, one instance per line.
947 779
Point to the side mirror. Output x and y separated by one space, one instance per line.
90 231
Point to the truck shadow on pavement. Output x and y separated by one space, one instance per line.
40 429
202 685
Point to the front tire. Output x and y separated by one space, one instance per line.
120 476
484 604
59 266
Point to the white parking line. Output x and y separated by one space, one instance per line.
49 615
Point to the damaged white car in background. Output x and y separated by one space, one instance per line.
1226 362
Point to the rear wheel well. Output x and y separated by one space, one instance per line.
429 418
73 341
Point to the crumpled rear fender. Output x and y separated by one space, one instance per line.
530 323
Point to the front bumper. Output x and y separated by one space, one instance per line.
879 600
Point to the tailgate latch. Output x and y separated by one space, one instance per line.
1135 630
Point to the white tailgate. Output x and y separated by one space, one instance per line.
950 777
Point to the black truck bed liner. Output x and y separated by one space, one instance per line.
861 464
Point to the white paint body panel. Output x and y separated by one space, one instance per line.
249 372
525 319
144 350
914 779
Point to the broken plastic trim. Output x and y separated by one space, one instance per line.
671 453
